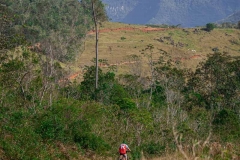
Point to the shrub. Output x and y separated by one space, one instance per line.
210 27
227 125
123 38
126 104
136 153
91 141
154 148
50 128
118 93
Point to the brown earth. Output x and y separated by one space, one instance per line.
144 29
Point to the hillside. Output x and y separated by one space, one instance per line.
188 13
158 89
118 42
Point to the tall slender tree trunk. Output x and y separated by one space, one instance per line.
96 45
152 79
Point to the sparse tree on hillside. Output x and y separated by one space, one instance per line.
238 26
98 16
149 55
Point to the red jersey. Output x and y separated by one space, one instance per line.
123 149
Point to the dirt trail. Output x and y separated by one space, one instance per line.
144 29
75 75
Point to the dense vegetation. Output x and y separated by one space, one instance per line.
53 27
45 117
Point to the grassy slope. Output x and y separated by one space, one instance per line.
116 50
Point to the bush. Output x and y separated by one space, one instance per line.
91 141
227 125
126 104
210 27
154 148
136 153
51 128
80 126
18 140
123 38
118 93
58 121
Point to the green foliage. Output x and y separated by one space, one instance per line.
109 90
220 71
136 153
210 26
153 148
56 122
51 128
123 38
22 77
126 104
36 113
58 26
212 98
98 6
18 139
91 141
159 96
118 92
87 85
227 125
9 37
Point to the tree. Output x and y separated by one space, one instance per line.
98 16
210 27
9 38
149 55
238 26
215 83
109 91
215 87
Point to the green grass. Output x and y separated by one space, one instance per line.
229 30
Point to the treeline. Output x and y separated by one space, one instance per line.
229 25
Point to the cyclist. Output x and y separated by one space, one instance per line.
123 149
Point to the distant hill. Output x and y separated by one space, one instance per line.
188 13
118 41
233 18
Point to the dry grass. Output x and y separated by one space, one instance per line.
117 44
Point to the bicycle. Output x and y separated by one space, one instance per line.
122 157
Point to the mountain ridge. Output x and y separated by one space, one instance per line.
233 18
188 13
